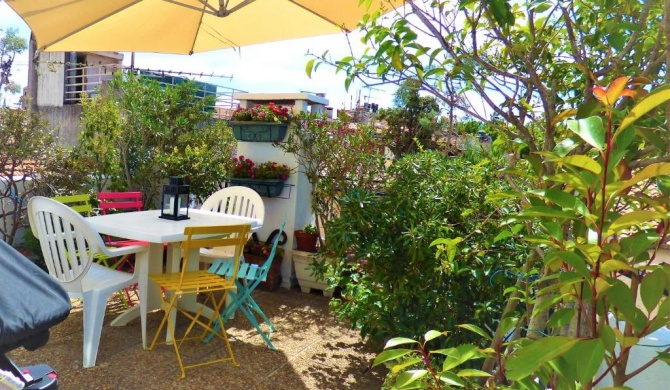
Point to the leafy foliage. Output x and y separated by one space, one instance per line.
10 45
310 229
263 113
246 168
102 126
141 133
511 63
203 157
599 224
334 155
393 282
412 122
27 147
413 368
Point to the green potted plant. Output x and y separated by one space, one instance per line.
304 258
261 123
266 178
307 238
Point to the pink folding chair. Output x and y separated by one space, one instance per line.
113 202
120 201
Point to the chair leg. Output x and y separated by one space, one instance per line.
125 263
95 305
226 314
125 298
224 334
127 290
249 307
171 325
250 315
167 308
254 306
170 309
243 300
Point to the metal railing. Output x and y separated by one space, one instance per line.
88 81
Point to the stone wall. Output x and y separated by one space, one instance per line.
64 121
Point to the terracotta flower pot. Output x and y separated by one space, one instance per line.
306 242
274 275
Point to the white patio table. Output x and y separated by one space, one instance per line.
147 226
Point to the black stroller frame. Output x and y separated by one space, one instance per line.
31 302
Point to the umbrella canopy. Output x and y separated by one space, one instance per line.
184 26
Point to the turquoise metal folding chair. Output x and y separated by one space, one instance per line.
249 277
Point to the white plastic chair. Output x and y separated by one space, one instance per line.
236 200
69 245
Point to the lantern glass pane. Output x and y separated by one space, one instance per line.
168 204
183 202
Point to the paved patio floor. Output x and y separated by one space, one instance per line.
313 352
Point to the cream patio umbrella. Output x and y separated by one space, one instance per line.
184 26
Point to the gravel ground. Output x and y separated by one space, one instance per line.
313 352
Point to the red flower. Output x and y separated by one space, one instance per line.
261 113
246 168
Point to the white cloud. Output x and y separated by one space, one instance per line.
272 67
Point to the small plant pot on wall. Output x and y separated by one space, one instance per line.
254 131
305 274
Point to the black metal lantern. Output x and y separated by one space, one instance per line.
174 205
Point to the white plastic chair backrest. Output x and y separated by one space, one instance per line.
236 200
68 242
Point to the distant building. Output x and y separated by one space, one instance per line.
57 81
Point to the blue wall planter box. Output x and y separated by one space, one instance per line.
252 131
268 188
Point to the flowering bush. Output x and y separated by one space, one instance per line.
335 155
261 113
245 168
262 249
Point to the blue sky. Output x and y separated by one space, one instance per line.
272 67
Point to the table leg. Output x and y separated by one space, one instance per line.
172 266
147 262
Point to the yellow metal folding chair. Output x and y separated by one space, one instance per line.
190 280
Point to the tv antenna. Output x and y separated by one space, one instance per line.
370 89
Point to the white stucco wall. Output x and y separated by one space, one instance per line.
294 202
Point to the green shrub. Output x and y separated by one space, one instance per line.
598 220
27 147
398 284
334 155
139 133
